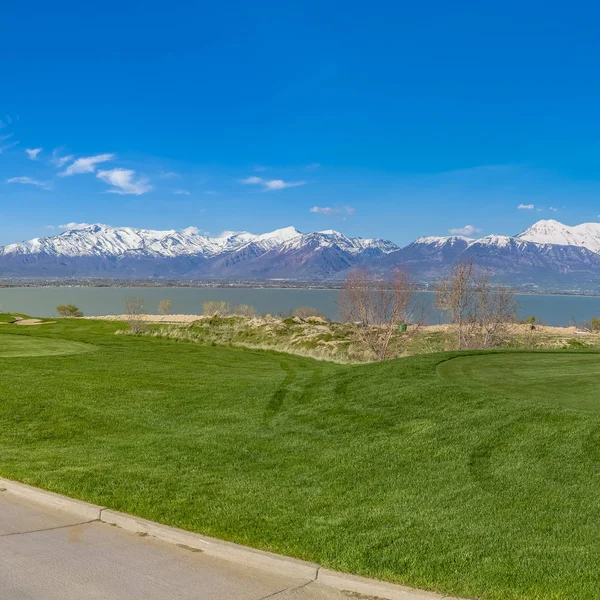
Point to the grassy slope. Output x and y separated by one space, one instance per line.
386 470
22 346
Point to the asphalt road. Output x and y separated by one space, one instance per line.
51 555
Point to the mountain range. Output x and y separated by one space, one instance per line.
548 254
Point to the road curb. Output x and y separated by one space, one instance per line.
372 588
85 510
243 555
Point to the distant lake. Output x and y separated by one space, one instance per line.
42 302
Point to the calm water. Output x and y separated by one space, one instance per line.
42 302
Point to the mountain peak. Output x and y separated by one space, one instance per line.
443 240
282 235
549 231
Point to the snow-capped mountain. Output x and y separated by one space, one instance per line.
527 259
105 251
104 240
549 254
586 235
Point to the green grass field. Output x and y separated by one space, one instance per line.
477 476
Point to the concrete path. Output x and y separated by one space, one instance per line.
50 555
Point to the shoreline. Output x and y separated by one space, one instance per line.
253 285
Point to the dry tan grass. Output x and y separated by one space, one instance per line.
336 342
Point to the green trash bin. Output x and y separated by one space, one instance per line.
402 327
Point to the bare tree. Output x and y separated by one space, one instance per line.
375 308
134 309
216 308
482 314
164 307
244 310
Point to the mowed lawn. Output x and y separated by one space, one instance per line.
477 476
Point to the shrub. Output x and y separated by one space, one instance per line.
134 308
216 308
305 312
596 324
244 310
164 307
68 310
528 320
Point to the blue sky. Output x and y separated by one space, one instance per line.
385 119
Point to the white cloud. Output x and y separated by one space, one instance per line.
526 206
5 137
333 210
86 165
33 152
68 226
194 231
279 184
181 193
313 166
30 181
466 230
553 209
271 184
168 175
123 182
60 161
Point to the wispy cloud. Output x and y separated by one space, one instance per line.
269 185
69 226
86 164
7 146
313 166
279 184
6 137
124 182
333 210
211 193
60 161
466 230
181 193
553 209
33 152
526 206
168 175
30 181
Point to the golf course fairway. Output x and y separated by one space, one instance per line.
475 475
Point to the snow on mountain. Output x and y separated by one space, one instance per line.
548 253
94 240
498 241
273 239
97 250
586 235
330 238
439 241
104 240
